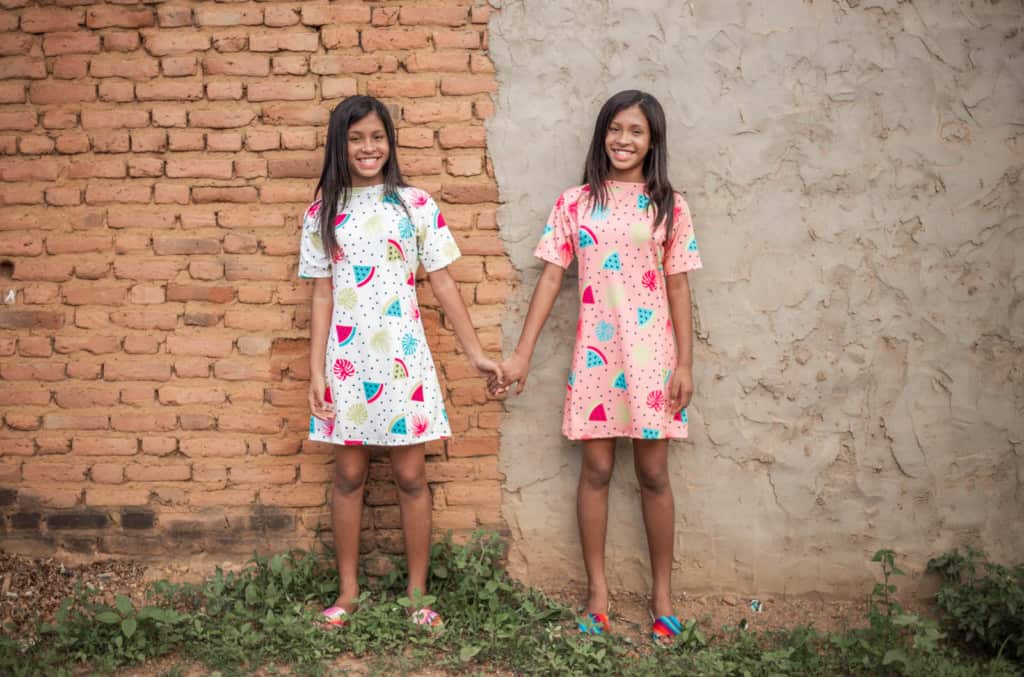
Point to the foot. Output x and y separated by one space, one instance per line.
347 600
661 605
597 601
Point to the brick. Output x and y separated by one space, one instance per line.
73 143
199 168
339 37
483 109
186 139
114 119
159 446
255 65
294 496
416 137
221 118
165 472
52 270
374 39
35 346
456 39
222 497
294 114
77 520
61 92
178 395
17 447
90 294
212 446
280 90
206 270
385 16
146 294
50 19
119 17
320 14
239 194
21 422
337 88
420 163
437 111
30 319
163 43
113 141
230 40
448 62
118 193
12 92
304 166
75 421
246 370
174 16
20 244
147 268
263 475
255 320
116 91
20 120
168 116
436 15
178 66
38 294
70 67
257 218
290 64
169 90
24 395
480 63
141 345
140 218
468 84
117 496
469 193
117 66
299 139
96 345
466 445
103 168
280 16
480 14
147 141
107 473
290 41
228 16
463 137
143 421
121 41
249 423
401 86
189 292
73 42
22 67
224 91
136 370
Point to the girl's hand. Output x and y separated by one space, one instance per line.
489 368
319 408
680 389
516 369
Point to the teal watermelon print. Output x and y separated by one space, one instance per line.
624 343
379 371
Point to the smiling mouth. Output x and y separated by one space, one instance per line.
622 154
367 162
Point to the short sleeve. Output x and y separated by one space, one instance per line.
435 244
681 253
313 259
556 243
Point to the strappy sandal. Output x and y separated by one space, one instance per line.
664 628
594 624
333 617
427 618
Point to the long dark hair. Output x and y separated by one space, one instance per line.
656 184
335 186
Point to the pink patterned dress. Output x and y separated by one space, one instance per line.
625 345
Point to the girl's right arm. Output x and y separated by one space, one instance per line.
320 327
517 365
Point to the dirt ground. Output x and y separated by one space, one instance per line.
31 584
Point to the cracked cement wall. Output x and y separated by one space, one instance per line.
854 169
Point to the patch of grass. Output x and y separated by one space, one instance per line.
265 615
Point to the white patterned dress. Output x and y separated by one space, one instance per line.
379 372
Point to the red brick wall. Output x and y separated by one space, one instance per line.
156 159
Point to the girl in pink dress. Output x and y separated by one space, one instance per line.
631 372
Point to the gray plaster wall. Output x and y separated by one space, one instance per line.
854 170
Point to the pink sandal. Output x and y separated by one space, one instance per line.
427 618
334 617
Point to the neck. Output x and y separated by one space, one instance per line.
363 182
634 175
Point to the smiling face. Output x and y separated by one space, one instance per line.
626 142
367 150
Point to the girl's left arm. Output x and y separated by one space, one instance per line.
447 293
681 385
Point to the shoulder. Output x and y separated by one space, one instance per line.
313 210
416 198
681 207
571 197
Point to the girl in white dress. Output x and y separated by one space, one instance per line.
373 381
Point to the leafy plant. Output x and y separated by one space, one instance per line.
983 601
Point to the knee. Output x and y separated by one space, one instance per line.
596 475
653 480
348 481
411 482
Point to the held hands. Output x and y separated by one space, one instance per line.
321 409
487 367
515 369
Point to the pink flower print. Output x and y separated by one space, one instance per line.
656 400
579 328
566 251
339 254
314 209
419 198
420 424
343 369
650 280
414 310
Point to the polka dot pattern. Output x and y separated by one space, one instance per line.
625 345
379 371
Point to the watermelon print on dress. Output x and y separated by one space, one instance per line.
624 343
377 364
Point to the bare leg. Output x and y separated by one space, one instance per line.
592 515
651 464
409 467
350 468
